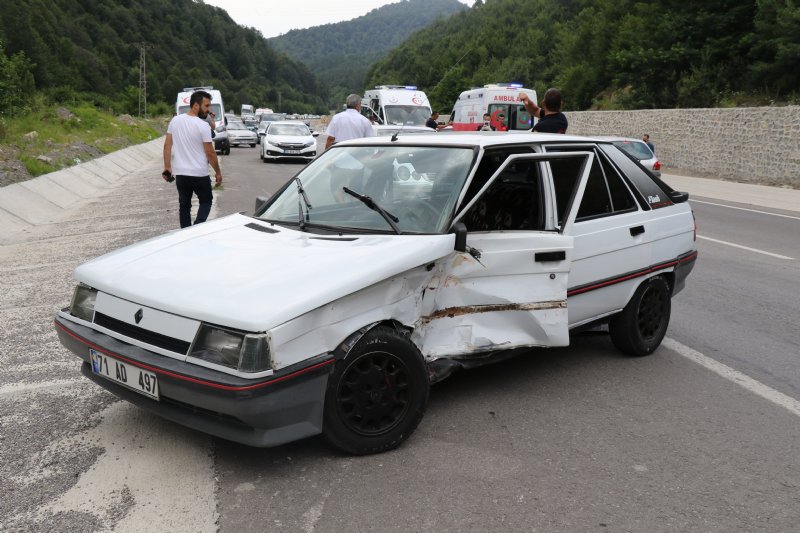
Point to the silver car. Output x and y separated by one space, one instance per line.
239 135
639 150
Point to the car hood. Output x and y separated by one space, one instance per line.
233 272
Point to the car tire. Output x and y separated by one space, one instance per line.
639 329
376 395
227 151
253 145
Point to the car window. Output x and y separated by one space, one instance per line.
419 185
492 160
650 191
605 193
639 150
288 129
512 202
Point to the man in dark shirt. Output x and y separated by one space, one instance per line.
431 122
551 119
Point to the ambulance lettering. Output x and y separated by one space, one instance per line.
505 98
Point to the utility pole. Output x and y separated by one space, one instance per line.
143 79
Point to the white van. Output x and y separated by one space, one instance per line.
495 99
396 105
247 109
221 143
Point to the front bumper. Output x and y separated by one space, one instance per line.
281 408
237 141
273 152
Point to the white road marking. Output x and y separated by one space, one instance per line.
743 380
745 209
746 248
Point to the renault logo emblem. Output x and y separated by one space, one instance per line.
138 316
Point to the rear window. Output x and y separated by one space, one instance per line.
636 149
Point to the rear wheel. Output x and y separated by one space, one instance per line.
377 395
640 327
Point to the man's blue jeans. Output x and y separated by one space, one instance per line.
188 185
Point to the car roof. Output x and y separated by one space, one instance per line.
482 139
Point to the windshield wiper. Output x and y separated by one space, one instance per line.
301 199
369 202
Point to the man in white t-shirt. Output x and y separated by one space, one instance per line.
350 124
188 151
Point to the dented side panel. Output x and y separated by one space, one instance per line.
504 299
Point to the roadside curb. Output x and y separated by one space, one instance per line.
47 199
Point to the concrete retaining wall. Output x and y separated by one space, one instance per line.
46 199
752 145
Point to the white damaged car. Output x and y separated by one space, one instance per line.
356 286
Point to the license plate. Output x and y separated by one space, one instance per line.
291 151
131 376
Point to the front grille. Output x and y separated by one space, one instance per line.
141 334
287 146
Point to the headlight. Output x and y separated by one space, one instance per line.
220 128
310 143
82 305
244 352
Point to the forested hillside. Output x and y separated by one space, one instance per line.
340 54
610 54
90 50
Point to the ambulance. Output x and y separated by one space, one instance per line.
496 99
221 143
396 105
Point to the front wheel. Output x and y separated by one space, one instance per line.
640 327
376 395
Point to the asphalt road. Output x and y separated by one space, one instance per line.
573 439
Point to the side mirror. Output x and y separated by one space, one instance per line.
260 201
315 133
460 229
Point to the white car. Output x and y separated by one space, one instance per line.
288 140
358 285
239 134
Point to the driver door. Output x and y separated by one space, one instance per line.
509 289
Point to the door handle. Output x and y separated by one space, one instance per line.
543 257
637 230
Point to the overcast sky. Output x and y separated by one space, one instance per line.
274 17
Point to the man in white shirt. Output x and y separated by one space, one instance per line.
350 124
188 151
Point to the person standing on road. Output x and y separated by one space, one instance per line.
350 124
646 139
551 119
188 150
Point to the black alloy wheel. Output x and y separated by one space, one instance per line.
376 395
640 327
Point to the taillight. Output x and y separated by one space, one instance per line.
657 165
694 218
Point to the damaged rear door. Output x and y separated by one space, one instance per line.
509 289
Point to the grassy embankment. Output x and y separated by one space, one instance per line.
66 135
